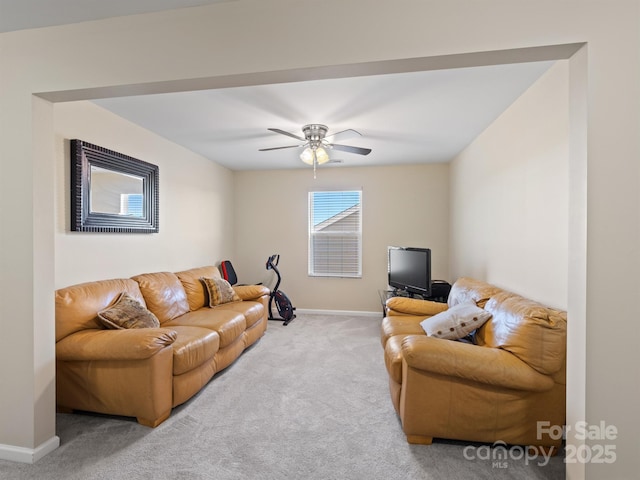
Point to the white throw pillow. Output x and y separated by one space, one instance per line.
456 322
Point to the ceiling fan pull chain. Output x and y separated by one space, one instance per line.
315 162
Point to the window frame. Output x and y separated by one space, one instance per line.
312 269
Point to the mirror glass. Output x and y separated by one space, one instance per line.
116 193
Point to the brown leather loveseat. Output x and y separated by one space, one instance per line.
145 372
505 384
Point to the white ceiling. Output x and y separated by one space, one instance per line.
404 118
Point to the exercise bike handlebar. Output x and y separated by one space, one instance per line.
273 261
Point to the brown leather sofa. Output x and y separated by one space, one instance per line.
495 388
145 372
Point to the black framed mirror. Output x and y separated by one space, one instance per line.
112 192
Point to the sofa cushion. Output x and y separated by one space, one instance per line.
163 294
400 325
220 291
193 347
127 312
533 332
197 295
229 325
456 322
252 311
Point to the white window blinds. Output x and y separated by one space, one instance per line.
335 233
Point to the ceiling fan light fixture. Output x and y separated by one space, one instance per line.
321 156
307 156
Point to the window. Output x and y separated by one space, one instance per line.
132 204
335 234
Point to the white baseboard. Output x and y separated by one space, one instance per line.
339 312
28 455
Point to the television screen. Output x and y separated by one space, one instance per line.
410 270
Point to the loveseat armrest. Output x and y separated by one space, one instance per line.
414 306
490 366
251 292
128 344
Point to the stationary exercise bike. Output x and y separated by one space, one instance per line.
283 304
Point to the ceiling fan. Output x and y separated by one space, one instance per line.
317 142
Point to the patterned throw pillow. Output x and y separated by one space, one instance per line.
456 322
220 291
127 312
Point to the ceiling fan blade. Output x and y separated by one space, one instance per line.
278 148
350 149
349 130
277 130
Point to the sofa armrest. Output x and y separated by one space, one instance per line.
251 292
129 344
491 366
413 306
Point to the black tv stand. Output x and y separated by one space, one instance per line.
397 292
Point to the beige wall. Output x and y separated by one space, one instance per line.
510 196
405 205
196 222
253 41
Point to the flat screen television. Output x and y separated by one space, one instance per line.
410 270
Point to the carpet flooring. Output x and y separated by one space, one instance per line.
308 401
